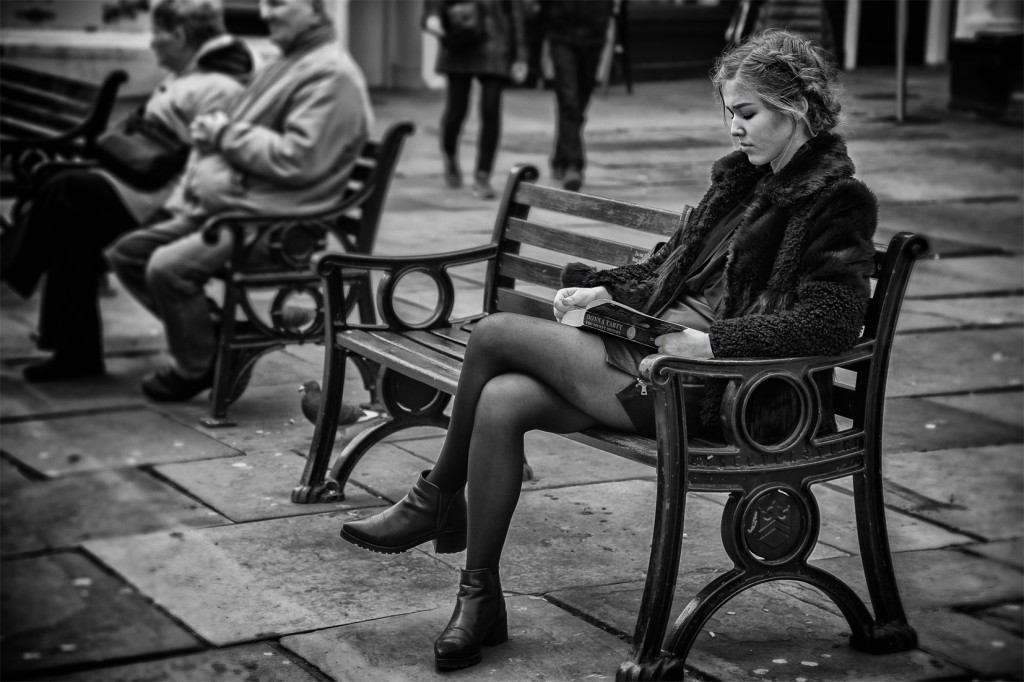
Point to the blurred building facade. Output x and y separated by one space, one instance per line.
660 39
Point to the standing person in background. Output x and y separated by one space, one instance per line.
76 213
576 31
483 40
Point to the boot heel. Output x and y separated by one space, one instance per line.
450 543
499 635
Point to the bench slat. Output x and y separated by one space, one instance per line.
529 270
50 82
512 301
579 246
634 216
397 351
440 342
630 446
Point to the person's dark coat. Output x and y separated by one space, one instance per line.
576 22
503 44
797 274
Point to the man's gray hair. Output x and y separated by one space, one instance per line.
200 20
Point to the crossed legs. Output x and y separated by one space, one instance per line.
519 374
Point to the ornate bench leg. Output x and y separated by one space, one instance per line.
891 632
312 486
223 378
648 660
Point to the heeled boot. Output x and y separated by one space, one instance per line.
479 618
452 171
424 514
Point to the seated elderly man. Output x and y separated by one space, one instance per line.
287 143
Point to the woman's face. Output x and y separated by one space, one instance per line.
171 50
763 134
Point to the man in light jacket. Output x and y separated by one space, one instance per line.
287 143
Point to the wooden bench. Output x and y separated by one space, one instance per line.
48 117
259 293
770 524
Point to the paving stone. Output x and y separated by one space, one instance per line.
545 643
12 478
960 276
118 502
60 446
906 533
1005 616
989 651
945 313
970 360
762 633
259 662
259 486
63 609
1007 407
949 422
934 579
973 490
995 226
1009 552
257 580
599 534
119 389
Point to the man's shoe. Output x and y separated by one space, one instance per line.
62 368
167 386
573 179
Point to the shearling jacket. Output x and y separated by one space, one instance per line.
293 138
796 277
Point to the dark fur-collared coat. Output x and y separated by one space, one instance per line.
796 277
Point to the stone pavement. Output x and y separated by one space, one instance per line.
138 545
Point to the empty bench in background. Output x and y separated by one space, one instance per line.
765 481
48 117
259 293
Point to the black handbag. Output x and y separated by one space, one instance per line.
463 25
142 152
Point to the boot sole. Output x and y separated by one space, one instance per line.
442 544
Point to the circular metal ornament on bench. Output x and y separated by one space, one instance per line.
442 309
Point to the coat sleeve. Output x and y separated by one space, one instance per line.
826 313
628 284
324 114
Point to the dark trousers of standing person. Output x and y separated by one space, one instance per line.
575 79
455 110
74 215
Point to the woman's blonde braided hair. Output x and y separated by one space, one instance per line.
789 72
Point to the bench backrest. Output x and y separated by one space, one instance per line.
368 188
539 229
39 105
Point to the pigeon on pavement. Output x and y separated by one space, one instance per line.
310 403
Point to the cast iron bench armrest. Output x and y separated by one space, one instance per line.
334 267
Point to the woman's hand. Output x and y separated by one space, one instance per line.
205 130
576 297
688 343
519 71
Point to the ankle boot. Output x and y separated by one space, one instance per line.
425 513
479 618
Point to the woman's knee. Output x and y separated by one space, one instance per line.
505 405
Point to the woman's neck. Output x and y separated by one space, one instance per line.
798 139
